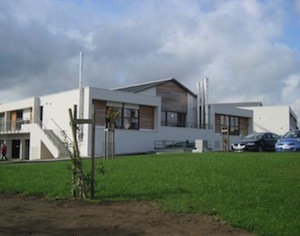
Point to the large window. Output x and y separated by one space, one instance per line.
128 117
232 123
173 119
2 120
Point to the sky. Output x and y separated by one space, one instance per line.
248 49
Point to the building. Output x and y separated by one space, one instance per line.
154 112
276 119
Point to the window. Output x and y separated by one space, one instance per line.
41 114
19 119
224 121
230 122
173 119
128 117
163 118
181 120
234 125
118 120
2 120
131 119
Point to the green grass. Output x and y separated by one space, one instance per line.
255 191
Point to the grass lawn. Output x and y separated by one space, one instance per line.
256 191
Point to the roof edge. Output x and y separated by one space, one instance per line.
143 83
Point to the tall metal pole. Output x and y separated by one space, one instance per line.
81 95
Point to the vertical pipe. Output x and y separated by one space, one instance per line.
202 104
206 103
198 106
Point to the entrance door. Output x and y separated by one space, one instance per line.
15 149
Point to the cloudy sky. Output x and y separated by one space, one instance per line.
249 49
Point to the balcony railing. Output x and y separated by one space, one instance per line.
13 126
187 125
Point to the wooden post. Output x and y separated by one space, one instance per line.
113 144
78 178
74 176
105 143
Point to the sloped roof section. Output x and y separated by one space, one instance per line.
136 88
241 104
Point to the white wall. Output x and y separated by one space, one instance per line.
228 110
133 141
38 141
26 114
127 141
182 134
56 111
120 96
150 91
18 105
130 137
271 119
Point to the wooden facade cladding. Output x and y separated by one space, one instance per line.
100 112
174 98
146 117
146 114
244 123
13 120
218 123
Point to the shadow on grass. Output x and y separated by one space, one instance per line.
146 196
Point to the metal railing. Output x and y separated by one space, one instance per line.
192 125
13 126
162 144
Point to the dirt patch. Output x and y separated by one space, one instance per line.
37 216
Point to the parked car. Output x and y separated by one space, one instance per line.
256 142
289 142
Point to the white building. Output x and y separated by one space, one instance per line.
150 113
276 119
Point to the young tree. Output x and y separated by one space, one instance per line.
112 114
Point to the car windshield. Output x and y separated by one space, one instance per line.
253 136
292 134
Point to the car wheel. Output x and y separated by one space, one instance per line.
260 149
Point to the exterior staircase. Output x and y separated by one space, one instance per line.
63 147
45 144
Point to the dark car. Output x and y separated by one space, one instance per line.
257 142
